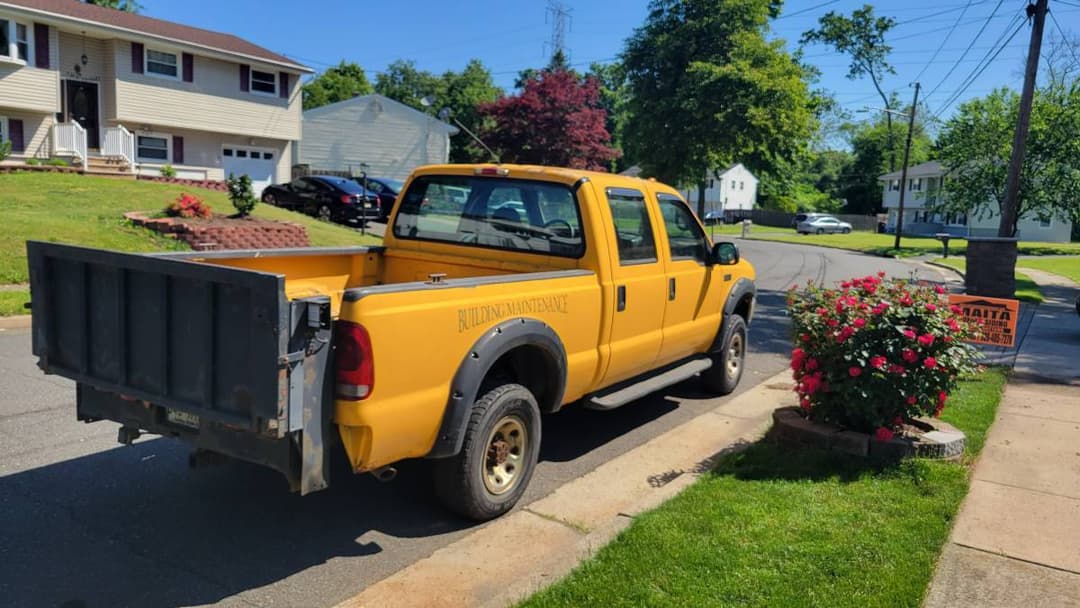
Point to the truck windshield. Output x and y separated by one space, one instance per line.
499 213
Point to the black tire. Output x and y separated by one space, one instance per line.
270 199
821 231
729 361
324 213
846 231
463 483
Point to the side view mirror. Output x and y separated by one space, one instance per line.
724 254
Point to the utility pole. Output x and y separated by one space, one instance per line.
903 170
560 22
1010 210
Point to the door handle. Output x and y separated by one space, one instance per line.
620 298
671 288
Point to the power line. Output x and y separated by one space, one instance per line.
943 41
806 10
975 74
1064 38
968 49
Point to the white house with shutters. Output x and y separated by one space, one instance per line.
923 192
732 189
389 137
119 92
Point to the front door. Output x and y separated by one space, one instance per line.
81 106
639 294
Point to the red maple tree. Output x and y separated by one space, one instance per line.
556 120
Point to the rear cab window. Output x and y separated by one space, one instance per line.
633 230
497 213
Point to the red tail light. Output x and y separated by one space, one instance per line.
355 364
346 198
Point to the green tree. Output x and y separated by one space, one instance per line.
465 92
707 90
402 82
614 98
128 6
862 38
344 81
976 144
873 146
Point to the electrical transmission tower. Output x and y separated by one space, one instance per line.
558 14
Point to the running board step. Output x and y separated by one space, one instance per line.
626 394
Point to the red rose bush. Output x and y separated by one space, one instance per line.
189 206
873 353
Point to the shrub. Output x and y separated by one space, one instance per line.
5 150
187 205
241 194
33 162
57 162
167 171
874 353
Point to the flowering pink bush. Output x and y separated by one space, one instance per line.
187 205
874 352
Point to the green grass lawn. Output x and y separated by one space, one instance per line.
11 302
773 526
882 244
1066 267
1026 289
87 210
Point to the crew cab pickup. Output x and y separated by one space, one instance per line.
501 293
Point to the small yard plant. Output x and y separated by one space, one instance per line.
167 171
874 353
241 194
57 162
189 206
5 150
33 162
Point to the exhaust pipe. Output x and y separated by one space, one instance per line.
385 474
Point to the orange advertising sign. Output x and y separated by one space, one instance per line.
995 317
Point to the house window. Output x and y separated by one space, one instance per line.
741 185
15 41
152 147
732 184
264 82
268 156
1045 223
161 63
894 185
228 152
915 184
241 153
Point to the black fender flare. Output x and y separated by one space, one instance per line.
465 387
739 291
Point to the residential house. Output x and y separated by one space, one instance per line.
389 138
923 192
730 191
91 83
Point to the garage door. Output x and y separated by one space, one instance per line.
259 164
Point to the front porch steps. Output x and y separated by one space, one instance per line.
108 167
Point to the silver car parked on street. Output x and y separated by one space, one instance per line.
822 224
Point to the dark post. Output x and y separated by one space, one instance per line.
364 201
903 170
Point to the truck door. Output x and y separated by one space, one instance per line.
693 288
639 291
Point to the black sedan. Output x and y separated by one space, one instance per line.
327 197
387 191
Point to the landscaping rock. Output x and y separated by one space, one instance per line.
221 232
850 442
922 437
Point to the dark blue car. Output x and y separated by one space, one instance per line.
327 197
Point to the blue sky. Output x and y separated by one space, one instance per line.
511 35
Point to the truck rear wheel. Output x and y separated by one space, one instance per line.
497 458
729 361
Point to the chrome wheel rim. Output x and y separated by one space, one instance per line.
270 199
324 214
504 456
734 356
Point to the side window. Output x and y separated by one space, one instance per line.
685 236
633 231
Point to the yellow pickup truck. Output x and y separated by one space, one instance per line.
501 293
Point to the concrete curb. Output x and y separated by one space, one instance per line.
541 543
15 322
958 272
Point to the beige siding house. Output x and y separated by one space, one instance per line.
922 194
389 137
94 84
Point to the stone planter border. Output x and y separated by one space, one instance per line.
938 440
219 232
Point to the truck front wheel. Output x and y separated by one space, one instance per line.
497 458
728 362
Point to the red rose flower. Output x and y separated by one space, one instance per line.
926 339
906 300
877 362
844 334
896 369
883 434
832 323
881 273
909 334
804 403
854 372
929 363
956 309
909 355
931 307
941 398
912 400
805 337
811 364
939 289
860 322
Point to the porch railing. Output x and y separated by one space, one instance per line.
69 138
120 144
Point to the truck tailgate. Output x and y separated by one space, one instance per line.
201 339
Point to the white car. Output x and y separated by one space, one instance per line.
823 224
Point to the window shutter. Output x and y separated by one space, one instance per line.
136 58
41 45
245 78
283 85
15 126
189 67
178 150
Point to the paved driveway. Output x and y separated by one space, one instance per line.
87 523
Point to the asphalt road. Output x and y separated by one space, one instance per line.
88 523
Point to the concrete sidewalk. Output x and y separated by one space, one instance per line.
1016 541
